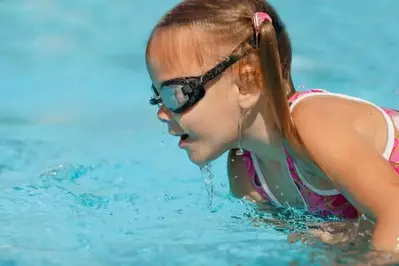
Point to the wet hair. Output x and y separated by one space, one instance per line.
230 22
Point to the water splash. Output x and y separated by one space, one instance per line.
207 177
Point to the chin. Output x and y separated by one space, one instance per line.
202 158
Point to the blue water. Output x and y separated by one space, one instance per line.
90 177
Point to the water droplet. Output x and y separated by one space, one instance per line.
282 194
240 152
276 186
236 177
223 184
167 197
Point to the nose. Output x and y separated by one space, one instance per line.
164 114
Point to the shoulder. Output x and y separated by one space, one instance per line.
335 112
336 115
327 128
320 105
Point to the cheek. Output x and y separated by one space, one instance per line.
224 109
216 116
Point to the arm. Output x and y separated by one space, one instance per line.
240 185
358 170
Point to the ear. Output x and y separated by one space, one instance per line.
248 81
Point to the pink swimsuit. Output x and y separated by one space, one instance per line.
324 203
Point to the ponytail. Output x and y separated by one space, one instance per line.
278 88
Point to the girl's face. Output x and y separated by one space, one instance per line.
210 127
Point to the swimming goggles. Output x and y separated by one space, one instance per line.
180 94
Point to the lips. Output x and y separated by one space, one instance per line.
184 140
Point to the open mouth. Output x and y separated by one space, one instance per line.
184 140
184 137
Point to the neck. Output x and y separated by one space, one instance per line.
260 136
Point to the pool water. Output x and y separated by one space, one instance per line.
88 174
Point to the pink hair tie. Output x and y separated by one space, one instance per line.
257 19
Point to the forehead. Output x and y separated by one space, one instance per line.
178 52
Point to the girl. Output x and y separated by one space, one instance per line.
221 72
